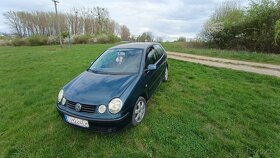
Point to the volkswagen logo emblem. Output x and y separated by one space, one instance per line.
78 107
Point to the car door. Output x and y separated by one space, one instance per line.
160 62
151 77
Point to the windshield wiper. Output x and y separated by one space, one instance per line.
109 73
92 70
97 71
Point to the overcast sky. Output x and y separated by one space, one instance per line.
168 19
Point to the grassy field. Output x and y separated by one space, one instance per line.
200 112
237 55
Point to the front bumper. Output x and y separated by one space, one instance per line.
97 123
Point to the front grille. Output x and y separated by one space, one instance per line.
85 108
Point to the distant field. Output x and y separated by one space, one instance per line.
237 55
200 112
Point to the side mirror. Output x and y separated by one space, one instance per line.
152 67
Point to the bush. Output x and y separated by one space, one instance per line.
102 38
254 28
64 34
38 40
196 44
19 42
277 32
181 39
81 39
114 38
53 40
105 38
5 41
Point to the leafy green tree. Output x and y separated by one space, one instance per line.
254 28
220 29
277 33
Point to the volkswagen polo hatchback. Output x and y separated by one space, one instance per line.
113 92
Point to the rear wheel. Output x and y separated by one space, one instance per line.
139 111
165 75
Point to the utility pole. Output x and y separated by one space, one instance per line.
58 25
76 23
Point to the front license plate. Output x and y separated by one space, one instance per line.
77 121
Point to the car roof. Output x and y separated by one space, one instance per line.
142 45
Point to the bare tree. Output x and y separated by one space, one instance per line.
145 37
78 21
159 39
14 22
124 32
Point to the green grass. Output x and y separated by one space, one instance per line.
200 112
237 55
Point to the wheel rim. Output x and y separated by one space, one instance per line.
166 74
139 111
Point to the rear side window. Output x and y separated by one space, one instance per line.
159 50
152 57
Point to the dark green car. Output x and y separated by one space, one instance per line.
113 92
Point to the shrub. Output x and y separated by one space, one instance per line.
38 40
81 39
102 38
253 28
5 41
64 34
53 40
181 39
92 40
67 40
277 32
196 44
19 42
105 38
113 38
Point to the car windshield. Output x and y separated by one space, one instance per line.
118 61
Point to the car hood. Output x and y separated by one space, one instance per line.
95 89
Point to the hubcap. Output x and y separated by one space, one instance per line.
166 74
139 111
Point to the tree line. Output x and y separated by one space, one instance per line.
85 21
255 27
82 25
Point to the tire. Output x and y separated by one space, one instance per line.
139 111
165 78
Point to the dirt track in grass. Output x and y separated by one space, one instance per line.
266 69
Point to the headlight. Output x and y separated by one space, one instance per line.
115 105
60 96
101 109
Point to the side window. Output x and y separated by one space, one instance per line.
159 50
152 57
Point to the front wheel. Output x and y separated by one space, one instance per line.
139 111
165 75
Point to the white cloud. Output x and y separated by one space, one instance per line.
166 18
